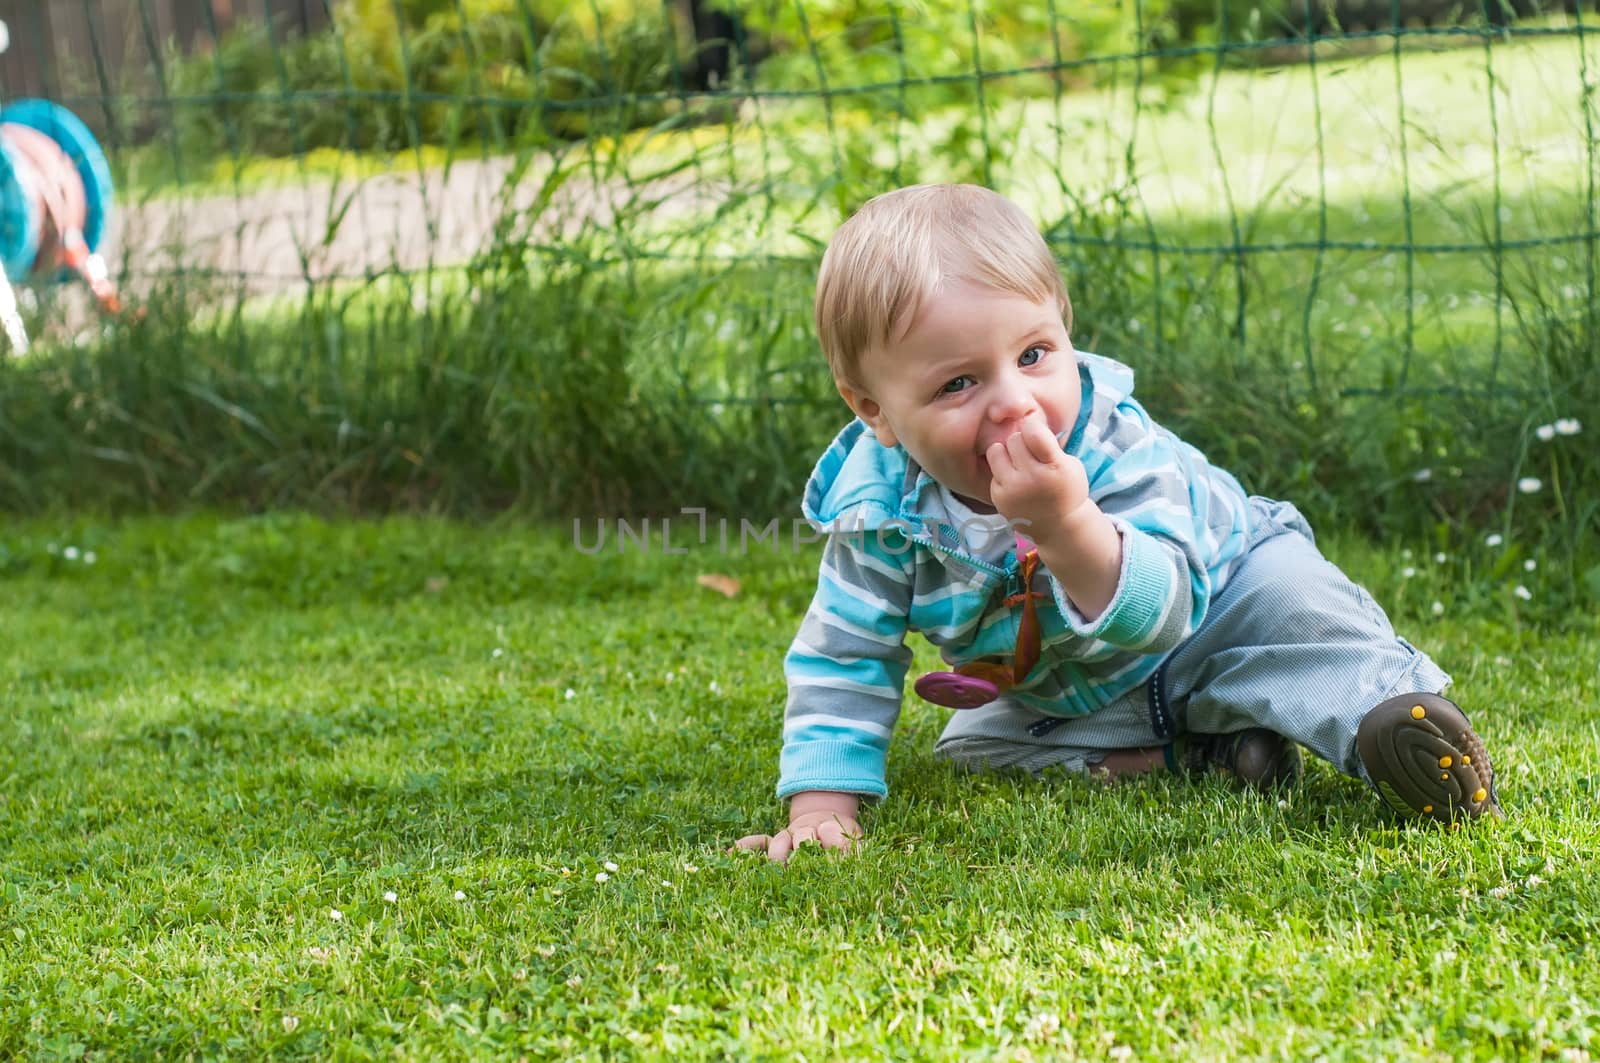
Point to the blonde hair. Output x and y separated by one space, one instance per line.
889 258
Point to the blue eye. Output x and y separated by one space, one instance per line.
954 386
1031 356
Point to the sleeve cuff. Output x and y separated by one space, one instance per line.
843 766
1143 595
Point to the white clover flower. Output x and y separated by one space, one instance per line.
1529 565
1407 572
1422 475
601 876
1568 426
1534 880
1499 892
290 1024
667 884
460 896
1530 485
1043 1027
715 687
1440 558
70 553
335 914
668 677
609 866
391 896
1438 608
88 557
1524 593
496 652
571 694
1545 432
690 868
1493 539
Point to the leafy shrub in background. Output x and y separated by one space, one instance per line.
435 72
389 75
259 93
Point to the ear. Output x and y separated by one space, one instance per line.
867 408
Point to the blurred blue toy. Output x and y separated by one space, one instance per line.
55 204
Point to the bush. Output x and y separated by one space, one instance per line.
263 93
504 73
845 44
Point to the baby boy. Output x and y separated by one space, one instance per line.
1107 600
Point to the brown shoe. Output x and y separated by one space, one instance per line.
1256 758
1425 759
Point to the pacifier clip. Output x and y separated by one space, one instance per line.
980 682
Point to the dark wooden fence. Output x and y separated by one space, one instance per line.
73 48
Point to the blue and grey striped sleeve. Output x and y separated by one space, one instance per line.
846 669
1179 519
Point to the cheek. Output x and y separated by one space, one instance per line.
1067 407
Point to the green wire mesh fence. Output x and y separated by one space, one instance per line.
526 251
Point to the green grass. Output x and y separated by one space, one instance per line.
225 729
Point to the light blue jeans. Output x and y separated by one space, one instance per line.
1290 644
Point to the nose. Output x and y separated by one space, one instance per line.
1010 400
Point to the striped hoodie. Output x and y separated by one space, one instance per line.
895 562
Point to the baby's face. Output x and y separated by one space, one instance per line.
964 376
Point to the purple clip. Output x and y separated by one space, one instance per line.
956 691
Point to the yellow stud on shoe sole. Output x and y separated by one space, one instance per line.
1480 795
1418 712
1445 761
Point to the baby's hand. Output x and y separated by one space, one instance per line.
1034 483
823 817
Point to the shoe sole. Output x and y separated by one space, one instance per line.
1426 760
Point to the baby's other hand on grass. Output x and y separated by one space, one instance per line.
823 817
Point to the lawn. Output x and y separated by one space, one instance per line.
424 789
